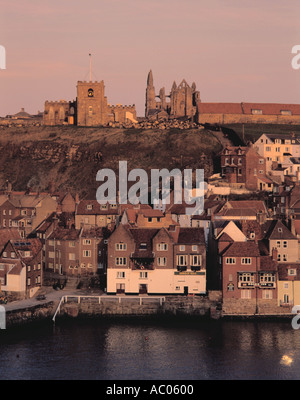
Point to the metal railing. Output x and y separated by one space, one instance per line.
103 299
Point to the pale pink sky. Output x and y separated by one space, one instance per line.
234 50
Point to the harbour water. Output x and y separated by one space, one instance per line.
151 350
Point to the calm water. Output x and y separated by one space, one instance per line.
147 350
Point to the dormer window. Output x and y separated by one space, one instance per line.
89 206
143 246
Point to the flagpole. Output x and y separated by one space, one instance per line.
90 67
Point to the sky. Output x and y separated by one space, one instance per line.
234 50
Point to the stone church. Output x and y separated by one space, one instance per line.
89 109
181 102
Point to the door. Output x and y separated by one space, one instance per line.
143 289
186 290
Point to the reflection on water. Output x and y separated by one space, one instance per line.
183 350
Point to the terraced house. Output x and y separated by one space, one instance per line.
73 252
21 270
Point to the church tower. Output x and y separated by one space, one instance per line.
150 95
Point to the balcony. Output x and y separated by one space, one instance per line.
249 285
143 266
181 268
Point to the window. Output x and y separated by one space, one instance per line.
23 212
90 93
90 111
72 256
121 246
120 274
246 278
246 260
149 219
28 268
256 112
268 148
278 244
28 282
72 244
162 247
181 247
87 241
143 275
252 235
286 112
267 294
121 261
292 272
284 243
230 260
143 246
284 257
51 254
86 253
89 206
278 257
196 260
239 171
162 261
195 248
246 294
261 160
13 254
239 161
267 278
182 260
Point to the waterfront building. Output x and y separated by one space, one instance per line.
156 261
21 271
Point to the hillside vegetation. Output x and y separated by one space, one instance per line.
33 157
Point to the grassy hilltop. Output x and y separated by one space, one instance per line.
71 156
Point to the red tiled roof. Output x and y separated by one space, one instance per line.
242 249
283 271
271 108
246 108
219 108
96 208
7 234
191 236
65 234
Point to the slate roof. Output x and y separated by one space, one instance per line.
278 231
